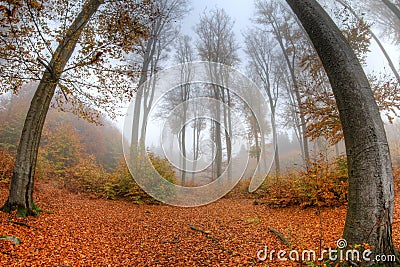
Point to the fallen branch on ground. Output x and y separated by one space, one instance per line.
280 235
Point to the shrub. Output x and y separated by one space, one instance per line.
6 166
122 185
322 184
241 190
86 176
396 175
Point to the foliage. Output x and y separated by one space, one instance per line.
6 166
74 154
121 184
126 187
396 176
386 92
30 31
88 177
12 114
61 130
322 184
319 105
97 232
318 102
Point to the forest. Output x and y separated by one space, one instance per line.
199 133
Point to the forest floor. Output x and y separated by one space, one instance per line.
79 230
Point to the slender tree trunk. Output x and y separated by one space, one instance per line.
196 144
392 7
275 140
213 147
183 136
147 59
22 181
371 190
194 149
148 102
228 126
376 39
183 139
257 143
230 134
218 137
302 127
337 150
296 121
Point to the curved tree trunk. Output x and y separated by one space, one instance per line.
21 189
371 190
376 39
392 7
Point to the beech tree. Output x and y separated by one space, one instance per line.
278 21
371 190
217 43
152 49
38 39
264 68
319 106
184 56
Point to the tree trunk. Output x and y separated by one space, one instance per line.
228 128
147 58
230 133
290 64
392 7
183 137
196 145
147 102
218 141
371 190
22 181
376 39
275 140
194 150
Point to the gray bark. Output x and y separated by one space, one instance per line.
22 181
371 190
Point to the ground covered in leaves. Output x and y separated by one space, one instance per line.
77 230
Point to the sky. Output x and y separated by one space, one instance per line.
241 11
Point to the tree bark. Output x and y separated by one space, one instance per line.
371 190
21 190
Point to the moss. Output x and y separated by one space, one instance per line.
36 209
22 211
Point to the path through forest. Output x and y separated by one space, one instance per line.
77 230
